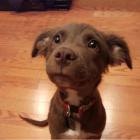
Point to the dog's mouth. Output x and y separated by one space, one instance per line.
73 75
64 80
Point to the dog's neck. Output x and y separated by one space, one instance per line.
76 97
72 97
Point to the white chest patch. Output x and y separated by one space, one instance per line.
77 131
73 98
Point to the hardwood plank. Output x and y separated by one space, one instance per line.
22 62
44 76
33 107
111 5
12 118
122 80
46 85
128 119
121 134
16 132
123 71
11 44
115 14
13 81
3 70
122 126
29 73
25 52
7 52
26 94
106 23
119 98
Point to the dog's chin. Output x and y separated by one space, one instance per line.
65 81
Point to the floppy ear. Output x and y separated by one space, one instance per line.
119 51
42 42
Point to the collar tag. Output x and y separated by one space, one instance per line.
69 120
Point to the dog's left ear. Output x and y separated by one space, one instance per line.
42 43
119 51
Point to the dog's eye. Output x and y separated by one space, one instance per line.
57 39
93 44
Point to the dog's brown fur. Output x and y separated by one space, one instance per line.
81 73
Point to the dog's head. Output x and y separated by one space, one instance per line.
77 54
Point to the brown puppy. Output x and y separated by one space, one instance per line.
76 57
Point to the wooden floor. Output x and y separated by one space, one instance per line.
25 88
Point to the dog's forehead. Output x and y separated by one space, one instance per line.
75 28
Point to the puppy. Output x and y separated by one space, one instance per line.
76 57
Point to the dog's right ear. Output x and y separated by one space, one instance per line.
42 42
119 51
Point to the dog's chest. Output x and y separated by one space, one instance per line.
73 99
78 133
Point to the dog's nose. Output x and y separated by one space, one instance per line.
64 55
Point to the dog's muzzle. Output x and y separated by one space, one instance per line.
64 56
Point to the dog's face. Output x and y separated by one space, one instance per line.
77 54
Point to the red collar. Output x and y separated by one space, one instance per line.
76 109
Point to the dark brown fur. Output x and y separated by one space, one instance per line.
82 73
